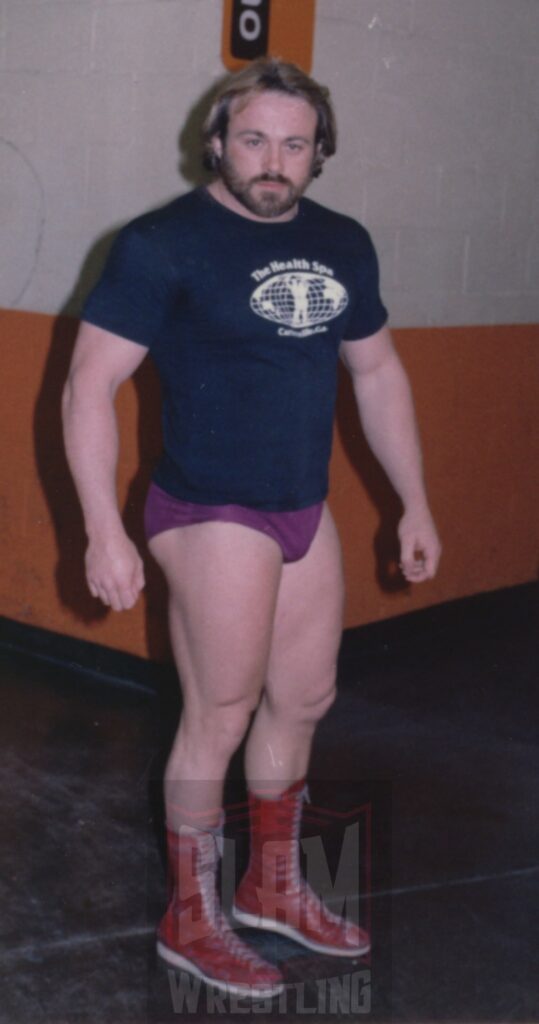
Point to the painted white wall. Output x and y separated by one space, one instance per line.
437 103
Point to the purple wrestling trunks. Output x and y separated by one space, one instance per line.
293 531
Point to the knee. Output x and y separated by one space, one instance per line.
224 724
232 722
315 707
309 706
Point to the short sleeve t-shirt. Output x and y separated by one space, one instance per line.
243 320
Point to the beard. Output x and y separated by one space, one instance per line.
263 203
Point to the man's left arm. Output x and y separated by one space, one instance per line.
386 410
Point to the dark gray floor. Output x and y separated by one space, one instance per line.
435 728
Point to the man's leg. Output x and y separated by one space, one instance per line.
300 688
300 684
223 583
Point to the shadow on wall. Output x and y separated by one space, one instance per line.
375 482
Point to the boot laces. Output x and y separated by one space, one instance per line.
296 877
206 869
207 860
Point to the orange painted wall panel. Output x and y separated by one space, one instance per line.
290 32
475 391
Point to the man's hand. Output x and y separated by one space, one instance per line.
420 546
114 572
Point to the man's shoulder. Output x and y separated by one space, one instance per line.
165 220
333 220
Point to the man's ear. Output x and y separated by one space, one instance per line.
217 146
318 160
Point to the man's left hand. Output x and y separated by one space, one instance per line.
419 544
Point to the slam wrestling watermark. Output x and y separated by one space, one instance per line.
347 995
344 856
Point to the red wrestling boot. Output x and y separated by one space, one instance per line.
194 934
272 893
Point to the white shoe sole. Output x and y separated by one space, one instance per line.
269 924
230 987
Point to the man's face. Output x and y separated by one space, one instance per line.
268 154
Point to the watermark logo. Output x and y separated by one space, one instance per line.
349 995
333 867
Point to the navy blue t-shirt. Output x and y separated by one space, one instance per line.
243 320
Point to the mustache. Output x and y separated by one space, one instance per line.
278 178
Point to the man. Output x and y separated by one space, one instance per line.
246 294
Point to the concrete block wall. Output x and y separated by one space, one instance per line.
437 103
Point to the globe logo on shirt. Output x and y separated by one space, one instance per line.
300 301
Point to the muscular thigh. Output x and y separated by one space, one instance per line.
308 621
223 581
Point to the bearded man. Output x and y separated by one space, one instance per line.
245 294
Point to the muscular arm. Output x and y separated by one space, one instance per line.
387 415
100 363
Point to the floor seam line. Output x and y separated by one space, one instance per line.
444 884
38 952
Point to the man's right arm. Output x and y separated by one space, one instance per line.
101 362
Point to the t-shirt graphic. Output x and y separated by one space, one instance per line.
301 301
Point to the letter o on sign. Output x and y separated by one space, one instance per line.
250 25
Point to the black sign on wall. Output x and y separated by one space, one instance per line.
249 30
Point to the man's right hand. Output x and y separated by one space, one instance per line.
114 571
